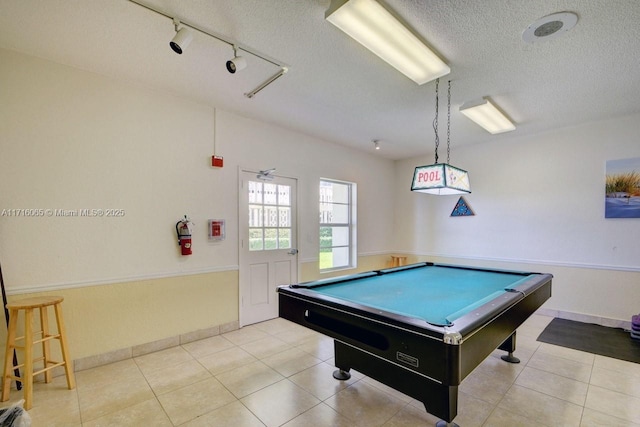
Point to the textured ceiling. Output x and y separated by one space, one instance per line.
336 89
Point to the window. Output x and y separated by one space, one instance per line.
269 216
337 228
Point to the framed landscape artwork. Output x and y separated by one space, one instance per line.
622 189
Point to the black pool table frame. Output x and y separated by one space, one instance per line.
424 361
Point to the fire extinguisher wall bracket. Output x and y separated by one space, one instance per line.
183 231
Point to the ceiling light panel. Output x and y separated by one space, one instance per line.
370 24
487 115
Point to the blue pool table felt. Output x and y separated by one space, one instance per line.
438 295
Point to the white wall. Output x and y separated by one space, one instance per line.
257 146
74 140
539 201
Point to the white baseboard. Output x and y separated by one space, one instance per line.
150 347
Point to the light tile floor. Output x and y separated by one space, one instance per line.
277 373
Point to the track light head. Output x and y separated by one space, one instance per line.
182 38
238 63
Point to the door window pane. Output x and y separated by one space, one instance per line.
270 194
270 238
255 216
269 216
284 217
284 195
284 238
255 239
255 192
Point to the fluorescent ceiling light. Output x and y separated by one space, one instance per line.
487 115
374 27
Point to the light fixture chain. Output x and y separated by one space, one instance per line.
435 121
448 121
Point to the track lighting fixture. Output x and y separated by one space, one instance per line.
267 82
376 144
238 63
182 38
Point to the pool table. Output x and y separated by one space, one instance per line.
420 328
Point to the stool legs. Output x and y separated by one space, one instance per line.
28 363
71 380
44 326
28 359
8 364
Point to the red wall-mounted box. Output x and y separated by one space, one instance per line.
216 161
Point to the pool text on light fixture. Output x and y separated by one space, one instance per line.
441 179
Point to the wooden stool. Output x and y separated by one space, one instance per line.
28 305
397 260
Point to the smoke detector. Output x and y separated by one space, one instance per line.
550 27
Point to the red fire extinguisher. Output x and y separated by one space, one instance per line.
183 230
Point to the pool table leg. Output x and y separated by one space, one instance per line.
341 374
439 400
509 345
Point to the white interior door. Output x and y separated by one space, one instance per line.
268 243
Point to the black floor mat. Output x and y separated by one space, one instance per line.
601 340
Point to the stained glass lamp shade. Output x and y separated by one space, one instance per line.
440 179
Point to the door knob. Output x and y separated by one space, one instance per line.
293 251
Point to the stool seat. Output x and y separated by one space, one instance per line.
28 305
34 302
